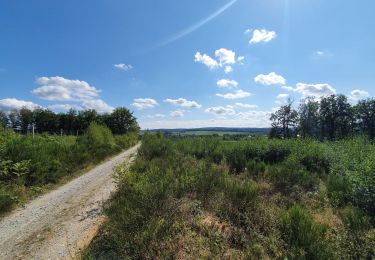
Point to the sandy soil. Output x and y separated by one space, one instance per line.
59 224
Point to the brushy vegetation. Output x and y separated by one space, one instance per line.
251 199
27 164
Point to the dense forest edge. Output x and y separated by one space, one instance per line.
39 148
306 191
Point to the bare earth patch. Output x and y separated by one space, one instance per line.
59 224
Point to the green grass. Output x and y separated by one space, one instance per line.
30 166
251 199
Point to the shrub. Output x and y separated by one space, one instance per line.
255 167
240 192
304 238
97 138
236 158
155 145
6 201
338 190
290 176
355 219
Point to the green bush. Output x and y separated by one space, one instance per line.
338 190
304 238
255 167
6 202
291 176
356 219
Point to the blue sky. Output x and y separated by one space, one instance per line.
186 63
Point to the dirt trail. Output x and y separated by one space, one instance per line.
58 224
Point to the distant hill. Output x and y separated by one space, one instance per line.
212 130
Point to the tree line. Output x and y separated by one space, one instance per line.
41 120
330 118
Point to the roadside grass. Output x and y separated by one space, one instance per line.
31 167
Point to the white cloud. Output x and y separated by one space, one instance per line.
177 113
357 94
226 83
248 31
228 69
224 59
97 104
320 53
240 59
225 56
238 94
206 60
122 66
242 105
156 116
315 90
288 88
221 110
144 103
182 102
270 79
282 96
9 104
61 89
64 107
262 36
282 99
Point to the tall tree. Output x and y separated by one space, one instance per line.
45 121
14 119
85 118
284 121
3 119
365 115
26 119
309 118
121 121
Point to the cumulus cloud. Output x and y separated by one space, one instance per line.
177 113
144 103
262 36
9 104
64 107
156 116
61 89
182 102
228 69
242 105
226 83
236 95
123 66
288 88
270 79
225 56
315 90
206 60
282 98
221 110
357 94
97 104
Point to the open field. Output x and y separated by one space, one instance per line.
255 199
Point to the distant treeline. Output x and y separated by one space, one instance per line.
41 120
330 118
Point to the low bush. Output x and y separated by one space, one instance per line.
304 238
291 176
338 190
6 202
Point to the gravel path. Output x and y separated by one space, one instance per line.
58 224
